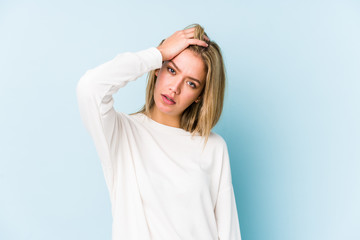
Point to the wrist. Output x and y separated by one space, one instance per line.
162 53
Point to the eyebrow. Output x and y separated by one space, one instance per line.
194 79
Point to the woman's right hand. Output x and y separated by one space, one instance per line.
177 42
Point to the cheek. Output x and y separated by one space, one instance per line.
190 97
159 83
158 88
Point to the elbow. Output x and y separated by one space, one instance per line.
84 85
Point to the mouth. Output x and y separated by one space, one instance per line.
167 99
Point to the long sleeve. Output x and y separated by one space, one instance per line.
94 93
225 210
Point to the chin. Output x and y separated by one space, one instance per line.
166 109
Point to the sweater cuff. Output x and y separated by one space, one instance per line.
154 57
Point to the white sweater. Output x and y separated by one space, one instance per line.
163 185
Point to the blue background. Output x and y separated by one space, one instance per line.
291 117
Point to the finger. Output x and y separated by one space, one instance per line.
197 42
189 35
189 30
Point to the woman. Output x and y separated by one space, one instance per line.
167 174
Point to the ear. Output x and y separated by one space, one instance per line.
157 72
198 99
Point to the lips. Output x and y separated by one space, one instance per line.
168 99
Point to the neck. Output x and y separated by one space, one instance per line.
169 120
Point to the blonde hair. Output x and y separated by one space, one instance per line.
198 118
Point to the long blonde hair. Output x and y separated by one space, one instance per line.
198 118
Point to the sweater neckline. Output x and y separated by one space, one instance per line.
165 128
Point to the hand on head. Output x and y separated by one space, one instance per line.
179 41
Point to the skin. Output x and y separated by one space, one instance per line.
174 78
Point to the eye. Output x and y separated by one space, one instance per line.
172 71
193 85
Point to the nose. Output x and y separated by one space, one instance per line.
175 86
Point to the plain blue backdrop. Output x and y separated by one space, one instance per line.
291 117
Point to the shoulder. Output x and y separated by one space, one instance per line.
139 117
216 137
217 140
129 119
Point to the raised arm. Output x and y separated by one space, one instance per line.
94 92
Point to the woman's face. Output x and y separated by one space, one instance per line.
179 83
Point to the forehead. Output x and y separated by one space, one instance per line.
190 64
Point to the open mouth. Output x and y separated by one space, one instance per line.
168 99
